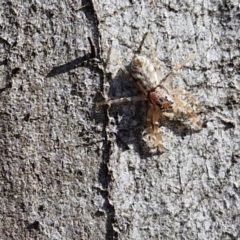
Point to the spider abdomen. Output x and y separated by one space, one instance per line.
144 73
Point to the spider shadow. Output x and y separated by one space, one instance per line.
178 128
129 117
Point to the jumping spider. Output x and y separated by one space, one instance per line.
163 101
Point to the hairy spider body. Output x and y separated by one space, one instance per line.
160 97
163 101
144 73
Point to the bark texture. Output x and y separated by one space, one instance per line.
71 171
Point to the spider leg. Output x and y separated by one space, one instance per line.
119 62
188 95
139 50
149 117
113 54
148 36
154 55
153 118
170 76
123 68
191 114
108 57
121 100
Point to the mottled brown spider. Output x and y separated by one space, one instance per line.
174 104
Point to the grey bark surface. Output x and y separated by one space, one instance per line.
71 171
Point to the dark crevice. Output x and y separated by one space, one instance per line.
93 61
104 174
105 179
91 15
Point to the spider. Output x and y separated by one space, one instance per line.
164 102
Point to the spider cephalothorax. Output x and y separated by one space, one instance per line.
160 97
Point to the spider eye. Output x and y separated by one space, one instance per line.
160 106
169 100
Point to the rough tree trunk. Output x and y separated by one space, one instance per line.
70 171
